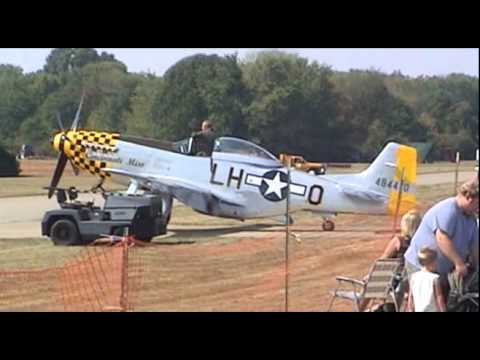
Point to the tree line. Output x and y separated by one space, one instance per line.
278 100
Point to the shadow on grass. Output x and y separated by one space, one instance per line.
203 232
193 235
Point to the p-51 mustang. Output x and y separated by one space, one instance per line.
239 180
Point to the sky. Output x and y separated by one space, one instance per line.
411 62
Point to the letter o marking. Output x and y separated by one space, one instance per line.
315 195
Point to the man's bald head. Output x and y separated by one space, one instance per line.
468 196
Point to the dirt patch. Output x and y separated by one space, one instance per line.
245 272
447 177
248 274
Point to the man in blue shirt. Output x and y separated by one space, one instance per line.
450 227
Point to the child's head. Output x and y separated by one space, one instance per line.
409 223
427 258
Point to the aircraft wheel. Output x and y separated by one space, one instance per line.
64 232
328 225
161 225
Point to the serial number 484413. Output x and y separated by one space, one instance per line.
386 183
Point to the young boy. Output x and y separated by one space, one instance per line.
425 289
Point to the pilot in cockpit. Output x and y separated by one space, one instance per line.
202 142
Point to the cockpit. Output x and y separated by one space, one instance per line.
242 151
234 149
241 147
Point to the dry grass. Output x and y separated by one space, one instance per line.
29 186
36 174
33 253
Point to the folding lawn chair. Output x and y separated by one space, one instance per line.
379 285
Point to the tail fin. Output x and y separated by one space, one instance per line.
385 174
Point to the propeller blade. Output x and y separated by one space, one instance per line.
75 169
59 122
61 162
77 115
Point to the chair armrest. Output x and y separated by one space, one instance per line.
350 280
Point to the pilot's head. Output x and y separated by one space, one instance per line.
207 125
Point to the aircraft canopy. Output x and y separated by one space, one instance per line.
241 147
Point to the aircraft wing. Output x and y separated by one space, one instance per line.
186 191
362 194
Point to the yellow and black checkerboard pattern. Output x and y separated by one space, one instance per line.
75 149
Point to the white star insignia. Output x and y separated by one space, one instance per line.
275 186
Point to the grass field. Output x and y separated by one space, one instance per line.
37 174
29 186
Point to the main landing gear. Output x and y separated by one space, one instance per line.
328 225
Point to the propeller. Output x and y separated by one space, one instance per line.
59 121
62 158
77 115
61 162
60 125
75 169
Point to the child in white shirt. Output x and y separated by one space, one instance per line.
425 290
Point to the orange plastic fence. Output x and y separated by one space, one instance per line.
97 279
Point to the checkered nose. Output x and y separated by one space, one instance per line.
82 148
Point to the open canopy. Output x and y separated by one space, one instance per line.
230 148
239 150
241 147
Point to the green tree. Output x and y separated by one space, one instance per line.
375 114
38 128
65 60
109 89
290 100
16 103
447 105
139 118
196 88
